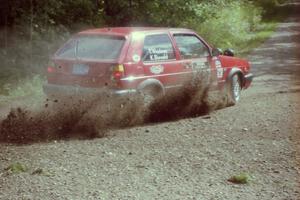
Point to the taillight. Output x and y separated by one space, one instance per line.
117 72
51 67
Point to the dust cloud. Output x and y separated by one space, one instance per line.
92 116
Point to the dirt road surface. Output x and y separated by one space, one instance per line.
187 159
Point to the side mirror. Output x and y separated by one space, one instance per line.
229 52
216 52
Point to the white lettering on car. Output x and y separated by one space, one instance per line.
158 54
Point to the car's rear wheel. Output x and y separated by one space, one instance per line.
150 94
233 90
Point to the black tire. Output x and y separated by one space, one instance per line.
150 94
233 90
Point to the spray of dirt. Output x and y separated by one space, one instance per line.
93 115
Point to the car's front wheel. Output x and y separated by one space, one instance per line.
233 90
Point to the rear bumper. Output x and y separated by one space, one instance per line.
248 80
67 90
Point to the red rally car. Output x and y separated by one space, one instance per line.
145 60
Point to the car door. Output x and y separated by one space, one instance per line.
195 57
160 60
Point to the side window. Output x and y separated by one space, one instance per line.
191 46
158 48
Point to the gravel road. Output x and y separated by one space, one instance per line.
191 158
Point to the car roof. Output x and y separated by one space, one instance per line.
123 31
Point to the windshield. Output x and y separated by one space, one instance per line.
92 47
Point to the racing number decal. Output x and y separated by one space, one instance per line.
220 70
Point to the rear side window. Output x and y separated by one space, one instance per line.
190 46
158 48
92 47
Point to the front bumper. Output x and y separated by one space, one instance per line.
68 90
248 80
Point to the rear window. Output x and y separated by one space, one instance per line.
92 47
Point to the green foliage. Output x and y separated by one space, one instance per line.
231 25
16 168
26 87
263 32
242 178
45 12
23 58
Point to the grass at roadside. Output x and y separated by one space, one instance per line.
267 27
24 88
265 31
